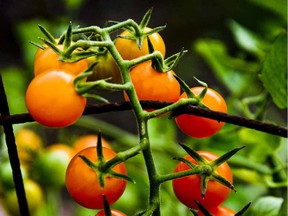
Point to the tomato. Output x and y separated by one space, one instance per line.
47 59
28 144
52 101
129 49
88 140
52 162
106 67
220 211
188 189
113 213
200 127
82 181
150 84
34 195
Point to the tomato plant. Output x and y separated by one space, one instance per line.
52 100
188 189
201 127
114 212
48 59
129 49
150 84
83 184
88 140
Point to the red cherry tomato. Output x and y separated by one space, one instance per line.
200 127
188 189
52 100
129 49
82 181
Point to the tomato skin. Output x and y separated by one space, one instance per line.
82 182
150 84
200 127
114 212
129 49
188 189
47 59
220 211
52 100
88 140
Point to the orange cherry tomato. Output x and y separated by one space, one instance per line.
201 127
52 101
129 49
153 85
188 189
47 59
82 181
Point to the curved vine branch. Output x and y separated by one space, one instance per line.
122 106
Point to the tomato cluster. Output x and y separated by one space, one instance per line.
51 98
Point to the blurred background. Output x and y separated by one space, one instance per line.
226 42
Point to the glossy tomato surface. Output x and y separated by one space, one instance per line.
82 181
150 84
129 49
52 101
200 127
188 189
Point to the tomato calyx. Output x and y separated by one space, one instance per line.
140 33
70 52
207 170
100 167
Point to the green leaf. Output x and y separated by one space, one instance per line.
246 39
274 73
259 145
268 206
235 73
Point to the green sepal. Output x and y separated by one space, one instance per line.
187 162
194 212
225 157
99 149
204 183
107 208
68 37
185 87
203 209
243 210
200 160
47 34
37 45
204 91
146 18
222 181
122 176
52 46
